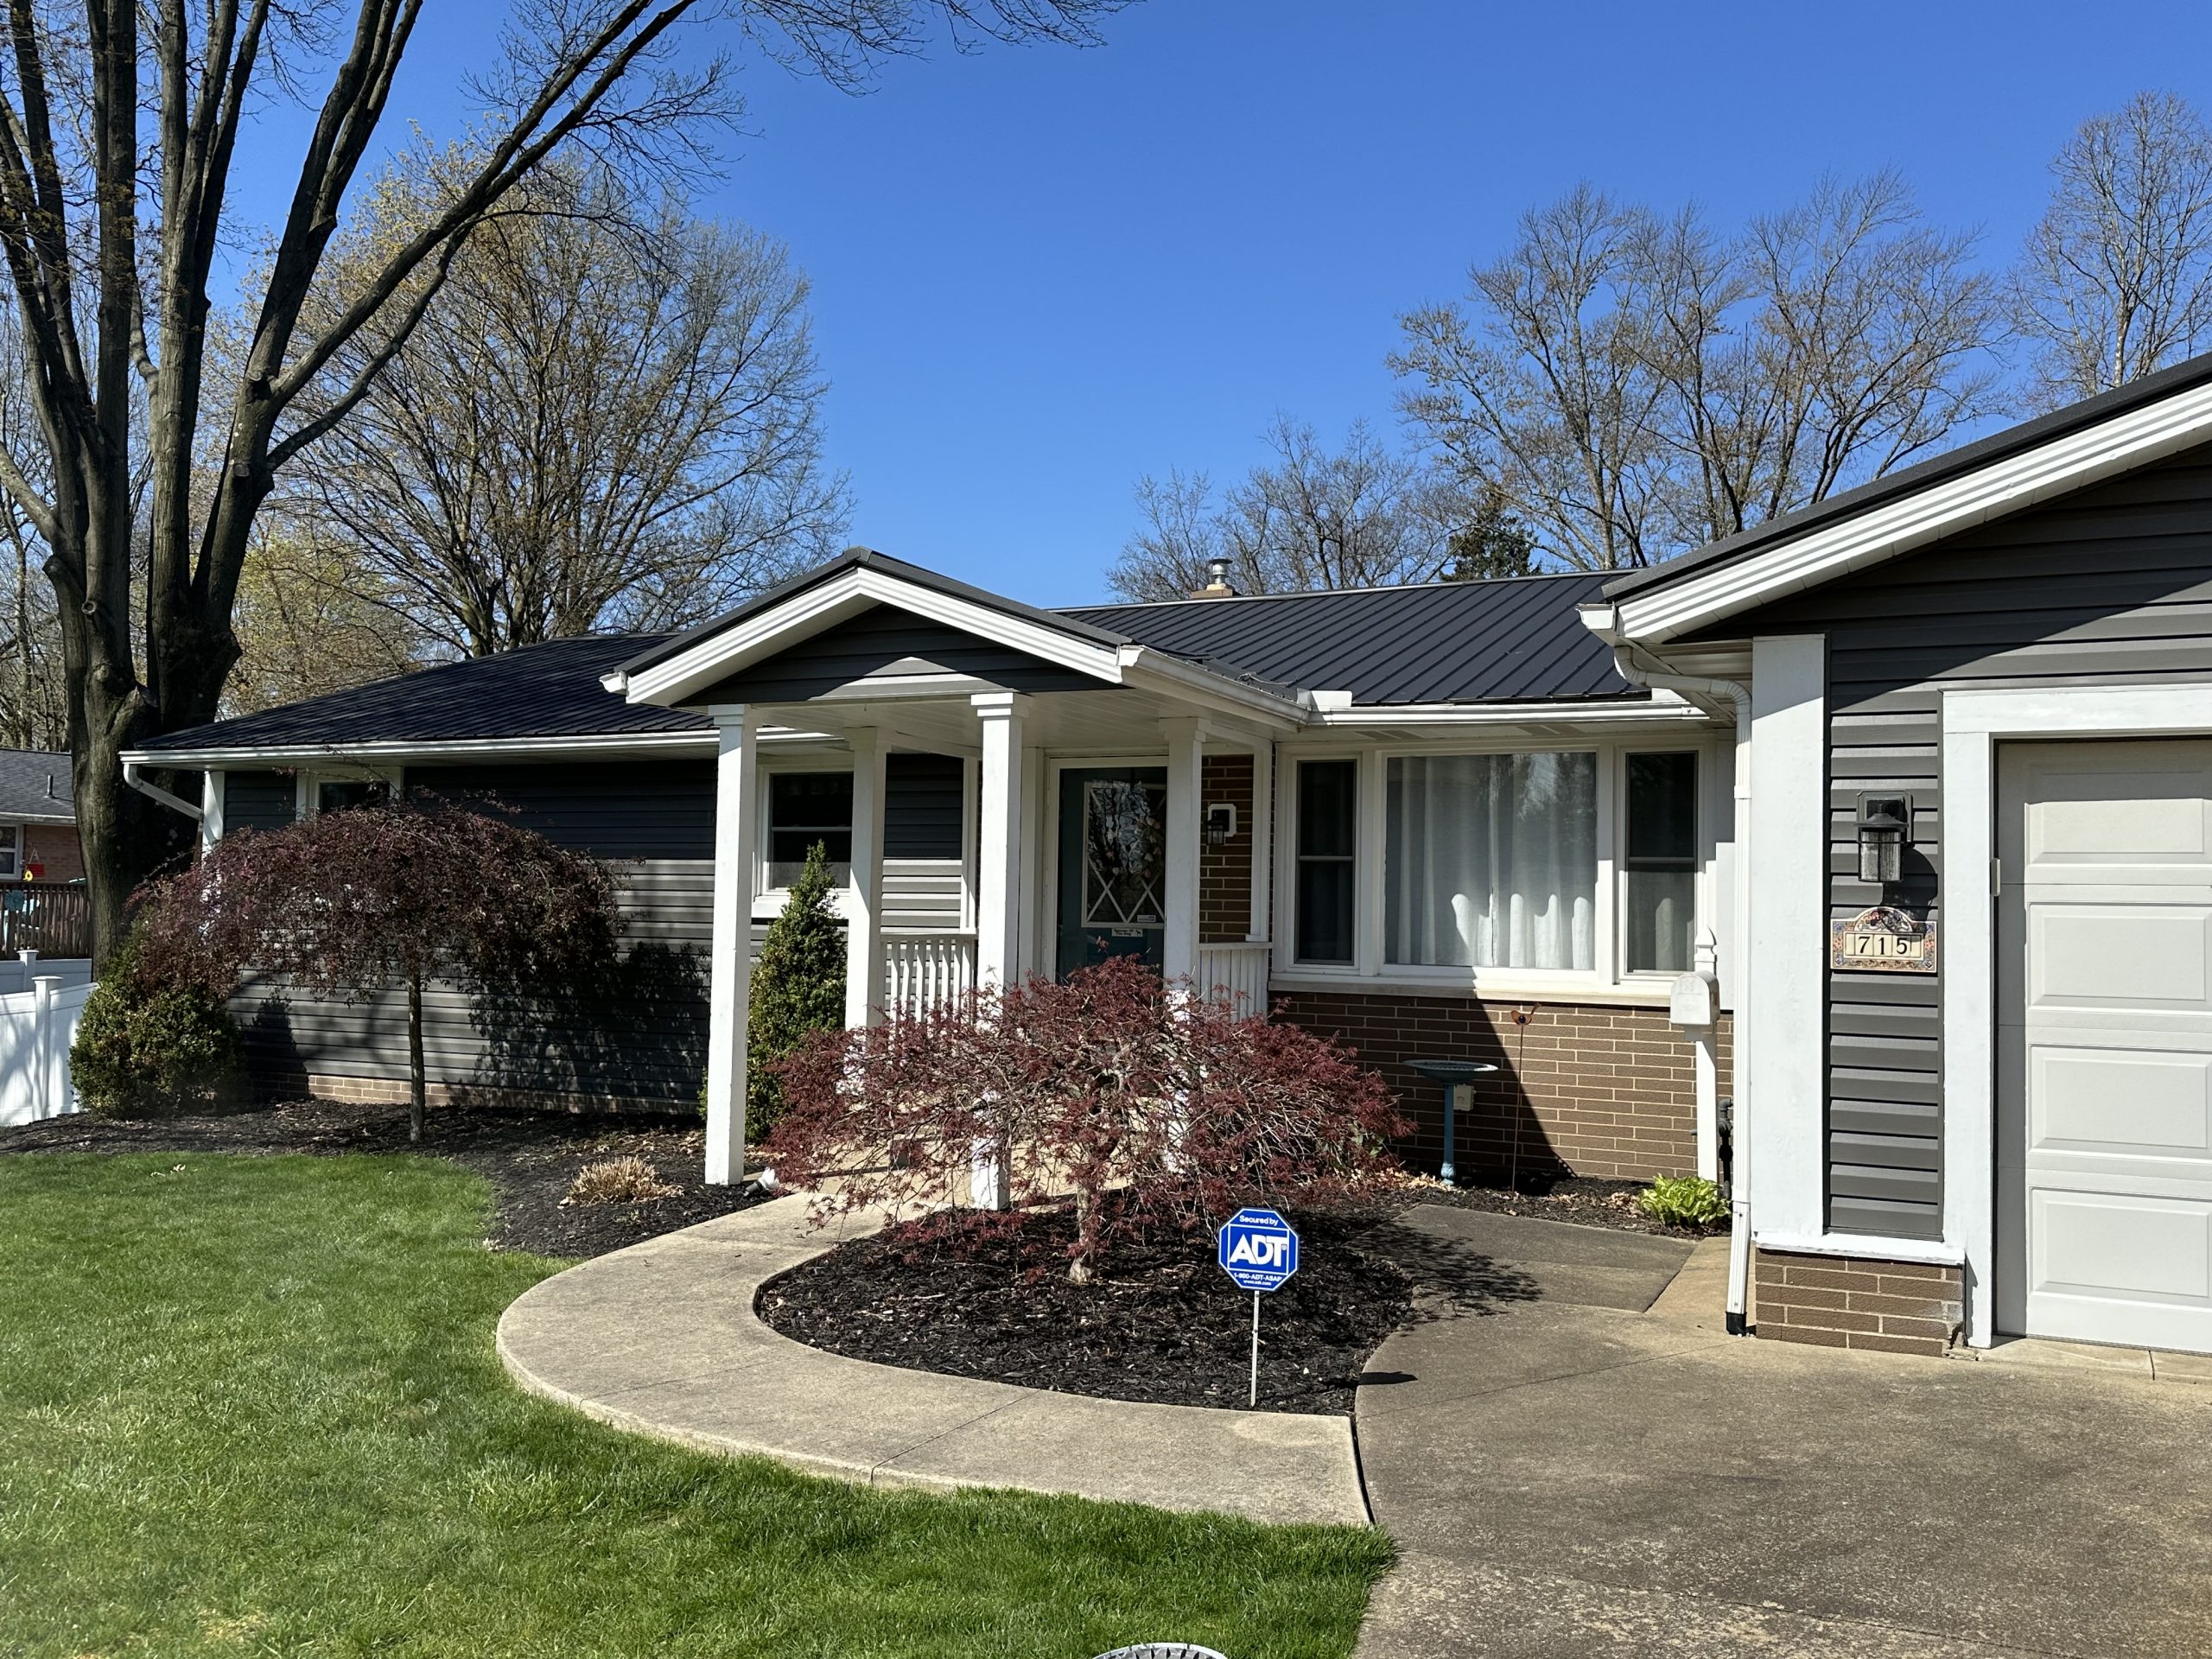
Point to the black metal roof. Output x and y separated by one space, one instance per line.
35 787
547 690
1518 640
1952 463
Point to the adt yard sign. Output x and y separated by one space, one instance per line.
1258 1249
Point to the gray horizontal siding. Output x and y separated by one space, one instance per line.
881 639
259 800
610 809
2107 587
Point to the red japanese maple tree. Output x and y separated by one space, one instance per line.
1111 1082
350 903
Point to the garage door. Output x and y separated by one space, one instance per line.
2105 1043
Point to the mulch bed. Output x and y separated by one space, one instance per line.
530 1158
1159 1322
1584 1200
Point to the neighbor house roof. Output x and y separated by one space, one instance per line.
1476 642
1514 640
35 787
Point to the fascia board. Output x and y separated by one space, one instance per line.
606 743
1145 669
1661 708
2054 469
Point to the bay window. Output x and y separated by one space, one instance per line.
1492 861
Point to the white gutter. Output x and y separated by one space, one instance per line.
1605 622
1669 711
147 787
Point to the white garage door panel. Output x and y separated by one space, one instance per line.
2140 1248
2105 1042
2113 956
2121 1101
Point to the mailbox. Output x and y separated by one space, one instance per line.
1693 1001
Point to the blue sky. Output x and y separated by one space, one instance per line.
1040 273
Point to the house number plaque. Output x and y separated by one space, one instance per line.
1882 940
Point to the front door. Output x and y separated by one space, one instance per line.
1113 864
2104 1163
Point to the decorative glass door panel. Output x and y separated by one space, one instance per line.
1113 864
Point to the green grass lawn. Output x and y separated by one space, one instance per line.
251 1406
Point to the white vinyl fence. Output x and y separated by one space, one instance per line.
37 1028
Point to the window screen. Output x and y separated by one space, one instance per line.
1659 871
804 808
1328 838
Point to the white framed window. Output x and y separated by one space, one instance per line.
1517 868
11 851
805 805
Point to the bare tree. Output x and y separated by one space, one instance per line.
116 152
1363 516
606 418
2116 277
303 628
1638 384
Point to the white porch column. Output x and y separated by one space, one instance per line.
1179 942
1262 833
998 839
211 807
864 900
730 964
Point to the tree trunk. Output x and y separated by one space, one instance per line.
418 1087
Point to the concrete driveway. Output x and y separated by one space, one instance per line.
1568 1470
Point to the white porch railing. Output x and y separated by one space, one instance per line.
925 970
1237 974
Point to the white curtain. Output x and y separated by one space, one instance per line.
1492 861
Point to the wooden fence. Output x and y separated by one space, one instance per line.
55 921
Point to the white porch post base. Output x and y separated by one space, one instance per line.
730 963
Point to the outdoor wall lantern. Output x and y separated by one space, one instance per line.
1883 820
1221 823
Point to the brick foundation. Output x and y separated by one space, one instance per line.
392 1091
1839 1301
1591 1090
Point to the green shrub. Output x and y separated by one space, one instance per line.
151 1046
798 986
1683 1201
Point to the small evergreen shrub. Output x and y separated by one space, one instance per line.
1683 1201
799 988
154 1043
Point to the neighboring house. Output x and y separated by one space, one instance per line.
38 819
1490 821
43 903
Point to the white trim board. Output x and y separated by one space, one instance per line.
1782 1118
1975 720
1860 540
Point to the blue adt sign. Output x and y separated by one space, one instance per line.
1257 1250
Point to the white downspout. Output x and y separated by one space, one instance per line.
146 786
1739 697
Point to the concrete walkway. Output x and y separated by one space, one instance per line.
661 1338
1573 1473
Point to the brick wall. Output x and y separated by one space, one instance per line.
55 846
1894 1307
1225 872
393 1091
1593 1090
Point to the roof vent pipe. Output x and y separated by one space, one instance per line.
1216 581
